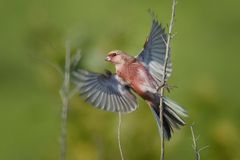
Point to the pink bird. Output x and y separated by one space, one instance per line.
141 74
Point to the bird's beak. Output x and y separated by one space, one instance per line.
107 58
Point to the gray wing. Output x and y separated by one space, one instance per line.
107 92
153 53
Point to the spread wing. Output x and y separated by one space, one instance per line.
106 92
153 53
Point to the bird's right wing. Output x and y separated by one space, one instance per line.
153 52
106 92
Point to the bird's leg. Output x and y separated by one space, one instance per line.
160 86
168 87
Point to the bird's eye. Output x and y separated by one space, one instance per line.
114 54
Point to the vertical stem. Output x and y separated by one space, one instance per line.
163 79
65 99
197 154
119 143
194 142
161 120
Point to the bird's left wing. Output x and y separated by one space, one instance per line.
106 92
153 53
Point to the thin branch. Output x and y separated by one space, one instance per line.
119 142
75 58
197 152
194 142
64 92
164 40
173 35
175 20
197 137
202 148
163 79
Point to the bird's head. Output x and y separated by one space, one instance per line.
117 57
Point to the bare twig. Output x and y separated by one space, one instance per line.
119 143
70 62
64 92
66 95
202 149
175 19
197 152
173 35
163 79
75 58
164 40
194 141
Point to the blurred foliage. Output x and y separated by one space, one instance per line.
205 69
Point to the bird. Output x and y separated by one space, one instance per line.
141 74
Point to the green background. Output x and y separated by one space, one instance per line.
205 56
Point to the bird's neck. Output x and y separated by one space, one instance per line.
126 61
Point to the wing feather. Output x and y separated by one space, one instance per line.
107 92
153 53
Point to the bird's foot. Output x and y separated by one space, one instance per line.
168 87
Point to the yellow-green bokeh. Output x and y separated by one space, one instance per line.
205 56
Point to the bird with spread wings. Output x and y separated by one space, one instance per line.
141 74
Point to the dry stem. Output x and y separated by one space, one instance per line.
195 144
119 143
64 92
163 79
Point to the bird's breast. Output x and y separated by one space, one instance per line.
138 78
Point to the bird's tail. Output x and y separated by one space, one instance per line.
171 116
